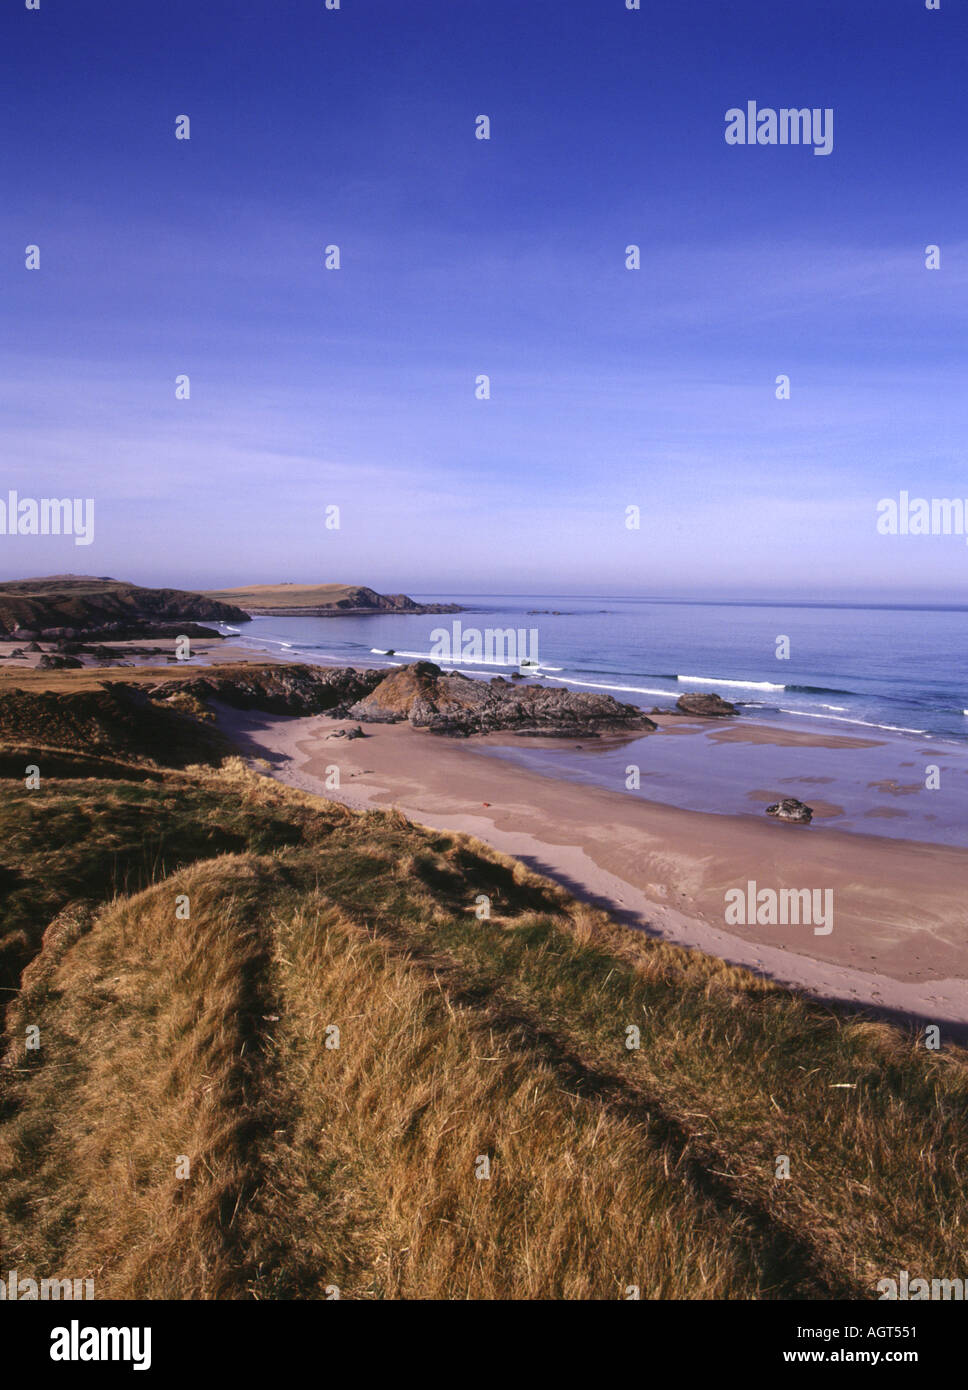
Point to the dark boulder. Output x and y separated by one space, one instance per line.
790 809
49 663
59 663
705 706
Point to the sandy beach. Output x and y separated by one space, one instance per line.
898 943
899 934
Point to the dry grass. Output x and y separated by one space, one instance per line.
285 595
152 1026
376 1185
354 1167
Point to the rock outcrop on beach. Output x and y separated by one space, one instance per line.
323 600
76 606
454 704
790 809
276 689
705 706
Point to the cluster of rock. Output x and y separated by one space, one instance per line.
65 654
128 631
402 603
425 697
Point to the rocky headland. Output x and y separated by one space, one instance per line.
80 607
322 601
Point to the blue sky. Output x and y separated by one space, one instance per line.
609 387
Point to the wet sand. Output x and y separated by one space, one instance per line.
727 767
900 930
735 732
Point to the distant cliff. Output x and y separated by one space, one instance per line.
323 600
68 604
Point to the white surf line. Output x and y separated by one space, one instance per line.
721 680
867 723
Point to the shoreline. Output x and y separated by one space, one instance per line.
748 761
839 725
898 944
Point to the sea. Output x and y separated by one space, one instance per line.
894 669
892 680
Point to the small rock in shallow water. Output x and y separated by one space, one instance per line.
706 706
792 810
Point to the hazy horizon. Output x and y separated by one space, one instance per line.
779 600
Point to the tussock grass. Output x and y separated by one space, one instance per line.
354 1167
153 1027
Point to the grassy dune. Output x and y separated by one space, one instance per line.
317 598
314 1166
288 595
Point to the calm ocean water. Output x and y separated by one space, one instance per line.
899 670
